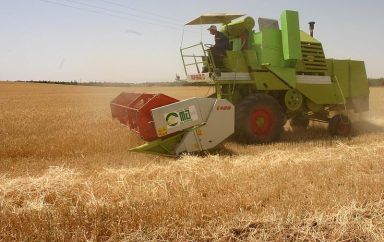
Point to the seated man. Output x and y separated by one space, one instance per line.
221 45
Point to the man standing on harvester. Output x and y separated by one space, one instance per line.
221 45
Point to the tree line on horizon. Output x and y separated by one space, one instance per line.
372 82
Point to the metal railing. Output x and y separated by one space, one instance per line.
195 62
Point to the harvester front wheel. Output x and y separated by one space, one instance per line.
259 119
340 125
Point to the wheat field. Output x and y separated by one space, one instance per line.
66 175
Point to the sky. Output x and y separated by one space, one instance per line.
139 41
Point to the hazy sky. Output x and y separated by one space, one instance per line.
137 41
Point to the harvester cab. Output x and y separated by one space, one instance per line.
274 75
199 58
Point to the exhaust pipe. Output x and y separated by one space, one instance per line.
311 27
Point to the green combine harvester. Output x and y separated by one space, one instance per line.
264 79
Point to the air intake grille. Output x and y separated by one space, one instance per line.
313 58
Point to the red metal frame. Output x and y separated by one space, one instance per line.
134 111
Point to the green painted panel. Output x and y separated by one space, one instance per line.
267 81
269 47
321 93
351 75
256 45
290 32
251 58
341 75
359 80
307 38
236 62
272 49
287 75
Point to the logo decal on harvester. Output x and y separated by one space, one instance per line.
181 116
223 108
185 116
198 77
172 119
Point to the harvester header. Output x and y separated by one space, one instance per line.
174 127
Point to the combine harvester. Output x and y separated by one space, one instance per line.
271 76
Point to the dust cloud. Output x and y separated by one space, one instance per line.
373 120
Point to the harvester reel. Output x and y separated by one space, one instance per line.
259 119
293 100
340 125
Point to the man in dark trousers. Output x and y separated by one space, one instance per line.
221 45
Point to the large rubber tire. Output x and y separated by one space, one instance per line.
340 125
259 119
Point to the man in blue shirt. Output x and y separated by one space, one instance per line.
221 45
